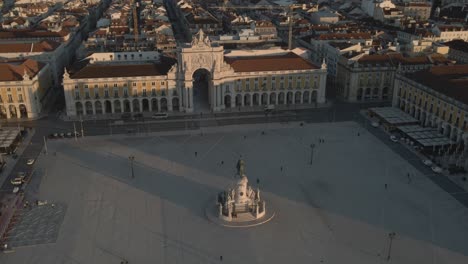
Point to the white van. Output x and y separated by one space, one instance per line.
159 116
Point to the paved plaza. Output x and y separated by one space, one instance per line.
335 210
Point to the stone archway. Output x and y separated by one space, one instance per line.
126 106
3 112
154 105
281 98
145 105
256 99
23 111
98 107
202 85
117 106
164 105
13 112
107 107
289 98
227 101
247 100
297 98
305 97
175 104
89 108
273 98
239 100
136 105
264 98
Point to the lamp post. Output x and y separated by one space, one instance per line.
82 130
312 146
391 236
132 158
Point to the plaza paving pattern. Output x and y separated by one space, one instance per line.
333 211
37 225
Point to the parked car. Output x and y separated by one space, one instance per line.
436 169
17 181
393 138
69 135
51 136
375 124
30 161
427 162
16 189
159 116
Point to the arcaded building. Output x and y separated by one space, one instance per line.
203 77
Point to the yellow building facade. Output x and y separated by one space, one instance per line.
203 77
438 98
24 88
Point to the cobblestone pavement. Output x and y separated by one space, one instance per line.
38 225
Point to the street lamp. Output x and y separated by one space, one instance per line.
312 146
391 236
132 158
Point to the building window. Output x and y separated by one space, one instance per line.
153 83
143 84
125 92
144 92
86 86
116 93
153 92
106 93
162 83
19 89
20 97
77 95
96 86
115 85
87 94
134 84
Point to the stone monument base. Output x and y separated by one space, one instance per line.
242 220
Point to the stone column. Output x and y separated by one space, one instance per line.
220 98
321 91
169 104
233 101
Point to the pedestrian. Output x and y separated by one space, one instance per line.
245 137
386 186
196 153
220 258
358 134
258 180
222 162
281 168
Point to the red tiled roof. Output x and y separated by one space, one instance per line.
42 46
451 80
14 70
289 61
97 70
32 34
330 36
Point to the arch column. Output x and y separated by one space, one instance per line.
233 101
169 103
93 106
221 105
